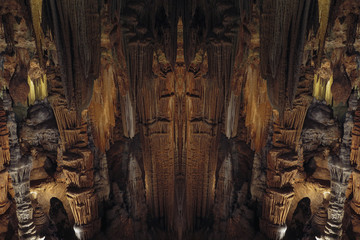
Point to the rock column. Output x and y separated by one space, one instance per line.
19 170
340 171
4 160
355 162
283 163
76 159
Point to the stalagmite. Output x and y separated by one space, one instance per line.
76 163
4 161
223 198
4 140
275 209
19 170
179 119
136 191
283 162
340 171
4 201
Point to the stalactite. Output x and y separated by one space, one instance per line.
283 161
222 43
275 208
201 142
282 34
324 9
322 89
232 116
4 201
138 46
220 63
38 89
36 11
103 108
195 25
128 115
257 106
4 140
7 22
78 47
76 161
166 29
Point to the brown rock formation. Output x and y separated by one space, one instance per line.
179 119
4 161
283 29
77 165
78 47
283 163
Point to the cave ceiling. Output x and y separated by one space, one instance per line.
179 119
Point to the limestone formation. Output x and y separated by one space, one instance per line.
179 119
4 202
4 161
340 171
77 164
79 68
136 193
283 164
283 26
19 170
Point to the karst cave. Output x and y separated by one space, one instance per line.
179 119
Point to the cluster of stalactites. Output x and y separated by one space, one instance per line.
283 27
75 26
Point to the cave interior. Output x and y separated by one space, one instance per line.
179 119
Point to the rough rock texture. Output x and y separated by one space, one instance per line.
283 27
77 164
283 163
340 171
76 29
179 119
5 159
19 170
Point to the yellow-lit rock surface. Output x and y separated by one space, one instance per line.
179 119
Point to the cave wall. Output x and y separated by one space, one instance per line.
179 119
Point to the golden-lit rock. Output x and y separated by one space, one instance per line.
4 140
355 202
4 201
276 205
176 98
83 204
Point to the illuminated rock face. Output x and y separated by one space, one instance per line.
5 158
196 109
77 164
283 164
